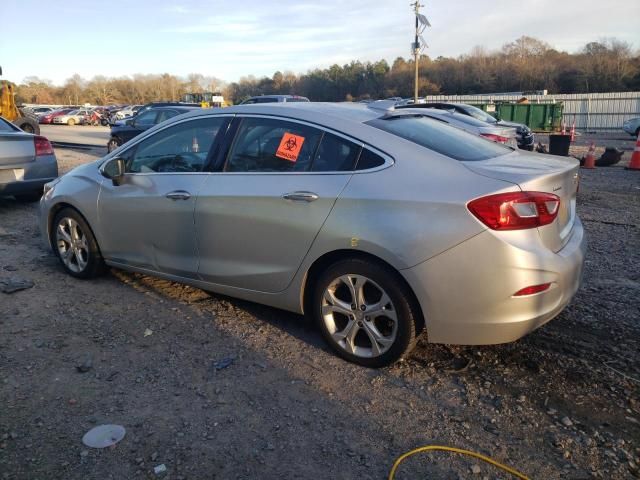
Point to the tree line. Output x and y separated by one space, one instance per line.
525 64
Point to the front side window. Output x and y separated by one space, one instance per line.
146 119
440 137
270 145
181 148
166 115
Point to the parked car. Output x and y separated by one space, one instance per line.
48 117
129 111
524 136
274 99
377 224
37 111
146 119
27 162
74 117
632 126
493 132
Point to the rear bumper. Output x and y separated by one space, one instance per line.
36 174
466 293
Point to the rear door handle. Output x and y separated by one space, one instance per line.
178 195
300 196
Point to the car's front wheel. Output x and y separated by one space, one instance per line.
365 312
71 122
75 245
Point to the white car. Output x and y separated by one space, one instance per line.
75 117
130 111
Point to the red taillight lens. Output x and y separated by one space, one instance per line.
495 138
532 289
516 210
43 146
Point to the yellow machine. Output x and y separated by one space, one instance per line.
9 111
206 99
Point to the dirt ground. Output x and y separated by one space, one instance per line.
217 388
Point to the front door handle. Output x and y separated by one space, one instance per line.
178 195
300 196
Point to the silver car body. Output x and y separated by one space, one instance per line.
21 171
78 117
237 235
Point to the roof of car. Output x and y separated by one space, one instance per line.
317 112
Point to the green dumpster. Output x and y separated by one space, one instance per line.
540 117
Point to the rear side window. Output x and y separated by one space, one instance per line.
335 154
270 145
439 137
368 159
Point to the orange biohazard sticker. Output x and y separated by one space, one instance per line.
290 147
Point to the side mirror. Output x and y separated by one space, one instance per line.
115 170
131 123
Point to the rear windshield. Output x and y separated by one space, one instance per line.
6 126
441 138
479 114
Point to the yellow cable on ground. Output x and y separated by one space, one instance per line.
404 456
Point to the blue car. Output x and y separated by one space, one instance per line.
124 131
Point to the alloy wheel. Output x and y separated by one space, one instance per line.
359 315
72 244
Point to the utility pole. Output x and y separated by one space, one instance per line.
417 47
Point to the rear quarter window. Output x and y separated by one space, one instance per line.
441 138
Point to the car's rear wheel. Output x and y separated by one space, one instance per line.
71 122
365 312
113 144
75 245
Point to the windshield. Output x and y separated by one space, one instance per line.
475 112
74 112
439 137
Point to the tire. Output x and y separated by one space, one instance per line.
28 125
84 259
394 322
114 143
104 122
29 197
71 122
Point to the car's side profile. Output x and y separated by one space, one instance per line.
378 224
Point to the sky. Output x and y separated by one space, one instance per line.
230 39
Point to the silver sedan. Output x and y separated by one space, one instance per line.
378 224
27 162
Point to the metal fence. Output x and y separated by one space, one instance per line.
592 111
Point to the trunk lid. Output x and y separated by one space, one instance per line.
539 173
16 148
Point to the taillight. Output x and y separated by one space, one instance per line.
495 138
43 146
516 210
532 290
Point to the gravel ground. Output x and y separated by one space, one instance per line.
217 388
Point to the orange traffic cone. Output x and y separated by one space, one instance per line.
634 164
590 159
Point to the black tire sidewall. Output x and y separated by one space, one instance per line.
95 264
388 280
